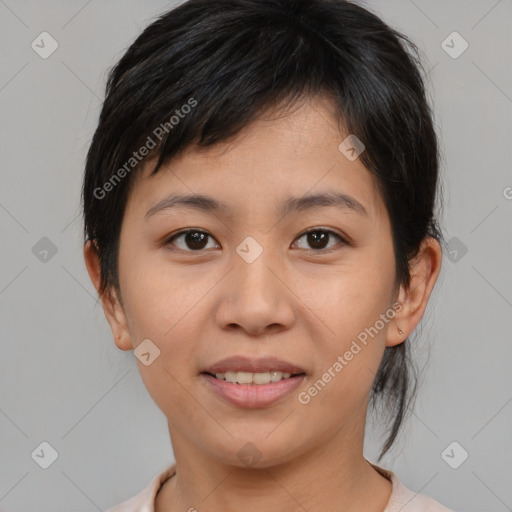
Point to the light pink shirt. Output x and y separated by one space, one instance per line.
402 499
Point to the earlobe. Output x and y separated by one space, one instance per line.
395 338
398 329
112 307
425 269
116 317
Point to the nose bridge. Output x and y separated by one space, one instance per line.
251 266
255 297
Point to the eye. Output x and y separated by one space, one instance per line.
194 239
318 238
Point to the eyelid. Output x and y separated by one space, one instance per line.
168 239
344 239
324 229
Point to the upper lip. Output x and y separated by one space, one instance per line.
254 365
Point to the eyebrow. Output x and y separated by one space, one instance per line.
291 204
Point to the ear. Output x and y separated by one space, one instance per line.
112 307
425 269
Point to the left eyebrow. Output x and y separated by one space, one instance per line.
291 204
314 201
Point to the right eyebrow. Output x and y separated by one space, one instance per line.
329 198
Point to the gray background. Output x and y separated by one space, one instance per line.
62 379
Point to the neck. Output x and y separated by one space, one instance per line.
332 477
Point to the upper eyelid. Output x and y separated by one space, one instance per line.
344 240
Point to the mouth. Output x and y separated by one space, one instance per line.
255 378
246 370
248 382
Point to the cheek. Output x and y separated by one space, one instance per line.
353 298
357 309
166 306
166 309
159 297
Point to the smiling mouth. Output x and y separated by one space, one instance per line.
259 378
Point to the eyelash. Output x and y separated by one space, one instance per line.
314 230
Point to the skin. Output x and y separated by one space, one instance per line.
297 302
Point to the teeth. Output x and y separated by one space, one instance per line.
253 378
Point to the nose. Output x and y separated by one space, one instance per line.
256 297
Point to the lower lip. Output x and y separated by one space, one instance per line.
253 395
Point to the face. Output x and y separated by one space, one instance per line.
253 279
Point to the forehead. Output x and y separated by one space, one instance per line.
279 156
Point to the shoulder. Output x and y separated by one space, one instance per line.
404 500
145 500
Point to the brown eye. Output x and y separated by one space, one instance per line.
191 240
318 239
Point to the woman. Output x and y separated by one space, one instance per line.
259 221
